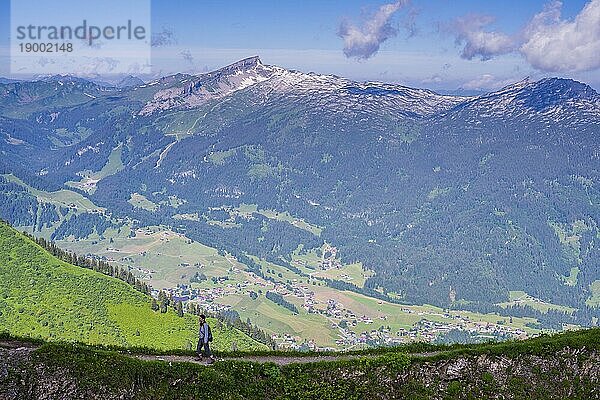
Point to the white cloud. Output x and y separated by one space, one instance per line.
547 42
187 56
97 66
363 42
43 61
166 37
556 45
470 31
436 78
487 82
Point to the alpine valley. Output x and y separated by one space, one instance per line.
328 212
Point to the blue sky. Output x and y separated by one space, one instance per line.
416 45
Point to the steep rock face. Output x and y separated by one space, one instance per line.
195 91
271 85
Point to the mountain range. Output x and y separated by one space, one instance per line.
455 201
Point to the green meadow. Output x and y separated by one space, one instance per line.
43 297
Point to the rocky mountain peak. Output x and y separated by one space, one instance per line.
244 64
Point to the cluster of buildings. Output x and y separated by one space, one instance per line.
352 327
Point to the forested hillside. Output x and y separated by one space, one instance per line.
451 201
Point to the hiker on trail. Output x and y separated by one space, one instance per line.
205 337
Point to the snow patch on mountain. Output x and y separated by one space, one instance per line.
549 100
272 89
330 92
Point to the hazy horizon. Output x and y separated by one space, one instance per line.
432 44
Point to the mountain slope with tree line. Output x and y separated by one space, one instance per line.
42 296
454 201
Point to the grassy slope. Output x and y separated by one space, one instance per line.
249 209
594 300
61 197
542 368
519 297
113 165
41 296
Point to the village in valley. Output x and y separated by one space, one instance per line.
344 320
338 319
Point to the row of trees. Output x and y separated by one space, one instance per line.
83 225
92 263
232 318
164 300
228 318
278 299
551 319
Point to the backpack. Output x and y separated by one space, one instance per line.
210 337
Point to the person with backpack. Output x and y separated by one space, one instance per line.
205 337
